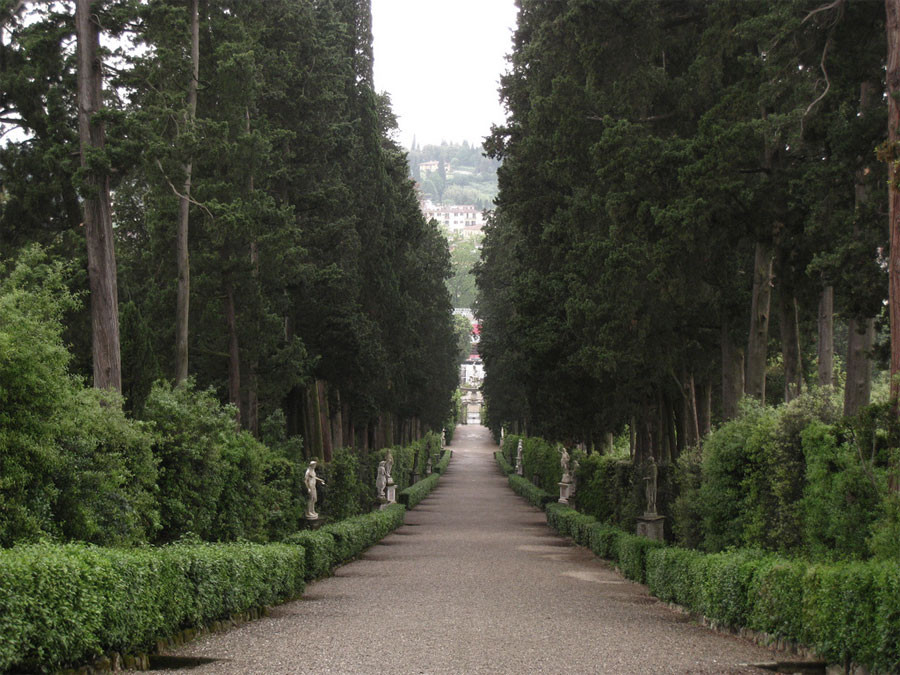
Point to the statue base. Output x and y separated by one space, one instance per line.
650 525
564 493
392 494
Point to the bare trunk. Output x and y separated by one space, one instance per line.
790 344
892 26
860 339
97 209
324 421
755 382
234 353
183 299
704 409
825 348
732 375
337 422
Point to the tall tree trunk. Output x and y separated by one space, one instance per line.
183 299
732 374
861 330
892 26
315 421
234 352
860 339
101 253
337 422
755 382
825 347
790 343
324 421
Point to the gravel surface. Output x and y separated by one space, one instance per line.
474 582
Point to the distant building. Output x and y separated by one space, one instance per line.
428 167
465 219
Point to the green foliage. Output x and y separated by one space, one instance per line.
505 466
321 551
611 489
72 464
64 605
532 494
632 555
345 494
415 493
570 523
605 541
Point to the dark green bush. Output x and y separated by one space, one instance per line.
604 541
674 575
505 466
72 465
66 604
632 555
533 494
725 580
540 462
444 462
414 494
611 490
320 551
354 535
344 494
776 598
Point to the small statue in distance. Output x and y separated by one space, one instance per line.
650 486
388 465
564 463
520 468
381 480
310 480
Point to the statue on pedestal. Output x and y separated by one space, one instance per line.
310 480
443 438
381 481
564 463
520 469
650 485
388 465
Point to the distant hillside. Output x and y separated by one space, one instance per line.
454 174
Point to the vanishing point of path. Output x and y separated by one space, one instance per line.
474 582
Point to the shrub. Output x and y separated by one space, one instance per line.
414 494
540 461
533 494
444 462
505 466
632 555
72 465
345 495
66 604
353 535
609 490
320 551
776 598
725 581
604 541
673 575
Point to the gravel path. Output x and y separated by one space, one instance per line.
474 582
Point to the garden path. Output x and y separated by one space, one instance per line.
474 582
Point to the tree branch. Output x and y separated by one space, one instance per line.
181 196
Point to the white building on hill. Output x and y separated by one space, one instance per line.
466 220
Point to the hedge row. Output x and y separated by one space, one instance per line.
505 466
67 604
525 488
848 612
340 542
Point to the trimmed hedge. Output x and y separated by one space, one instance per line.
443 462
568 522
415 493
67 604
525 488
505 466
340 542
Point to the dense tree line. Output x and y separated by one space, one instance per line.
691 209
267 239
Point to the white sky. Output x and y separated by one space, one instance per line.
441 60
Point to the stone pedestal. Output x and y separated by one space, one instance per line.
312 523
392 494
564 493
650 525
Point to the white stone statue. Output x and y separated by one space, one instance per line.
564 463
443 438
650 485
388 465
502 435
428 467
520 468
381 481
310 480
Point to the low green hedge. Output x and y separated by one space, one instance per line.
415 493
443 462
525 488
568 522
63 605
320 551
340 542
505 466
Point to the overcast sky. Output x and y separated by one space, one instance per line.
441 60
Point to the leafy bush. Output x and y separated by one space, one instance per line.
611 490
66 604
632 555
444 462
604 541
540 461
354 535
776 598
345 495
71 464
673 575
415 493
505 466
533 494
320 551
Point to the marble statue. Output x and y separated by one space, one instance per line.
650 486
443 438
388 465
520 469
564 463
310 480
428 467
381 480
